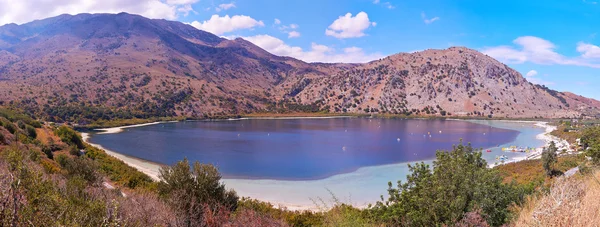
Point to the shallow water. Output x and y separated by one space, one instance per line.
299 149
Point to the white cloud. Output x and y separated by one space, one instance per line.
219 25
23 11
540 51
588 50
181 2
537 80
385 4
289 29
317 53
293 34
348 26
430 20
186 9
531 77
225 7
531 73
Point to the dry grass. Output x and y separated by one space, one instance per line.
45 135
571 137
571 201
529 171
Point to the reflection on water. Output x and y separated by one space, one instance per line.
299 149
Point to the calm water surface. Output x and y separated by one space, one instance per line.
299 149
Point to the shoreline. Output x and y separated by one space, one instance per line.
152 169
149 168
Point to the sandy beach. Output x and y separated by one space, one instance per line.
120 129
256 188
148 168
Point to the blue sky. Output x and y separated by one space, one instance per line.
552 42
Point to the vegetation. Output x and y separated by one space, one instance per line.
531 174
193 191
569 201
458 183
70 136
590 140
119 172
46 180
549 157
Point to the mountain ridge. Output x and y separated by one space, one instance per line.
139 67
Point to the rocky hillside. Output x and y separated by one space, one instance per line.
95 66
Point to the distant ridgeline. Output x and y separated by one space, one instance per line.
92 67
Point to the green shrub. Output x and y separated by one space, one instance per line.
188 190
118 171
74 151
9 126
80 167
459 182
31 131
48 151
70 136
21 124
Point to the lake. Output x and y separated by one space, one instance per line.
299 149
294 162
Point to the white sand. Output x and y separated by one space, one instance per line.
120 129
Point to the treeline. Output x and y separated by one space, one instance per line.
160 105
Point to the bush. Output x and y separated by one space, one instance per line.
48 151
9 126
459 182
188 190
80 167
70 136
50 166
31 131
74 151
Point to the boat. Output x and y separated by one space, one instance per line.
489 150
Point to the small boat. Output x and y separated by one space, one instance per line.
489 150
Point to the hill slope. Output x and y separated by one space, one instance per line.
92 66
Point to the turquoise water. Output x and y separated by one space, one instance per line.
366 185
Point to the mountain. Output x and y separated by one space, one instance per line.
96 66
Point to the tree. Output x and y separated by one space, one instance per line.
193 191
458 183
590 139
549 158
